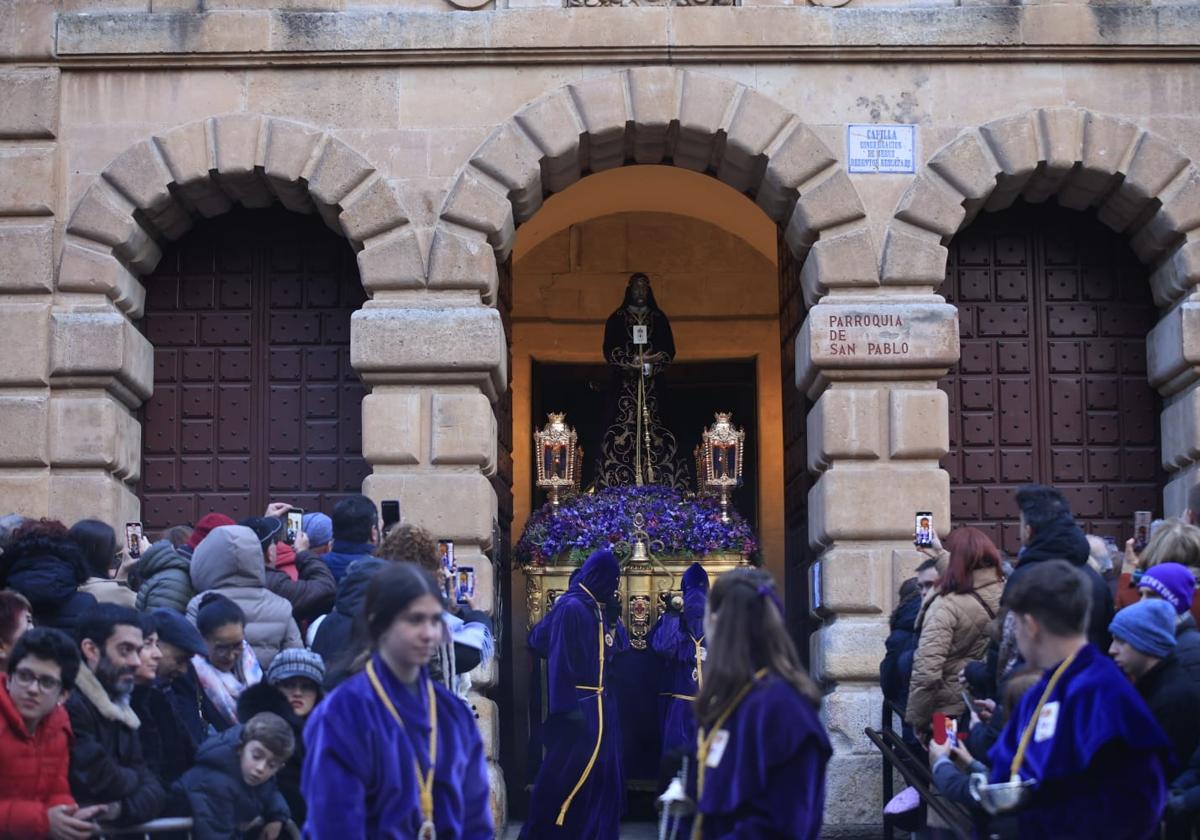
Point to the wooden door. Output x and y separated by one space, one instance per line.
254 396
1051 384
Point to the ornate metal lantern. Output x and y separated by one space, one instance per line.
558 456
721 459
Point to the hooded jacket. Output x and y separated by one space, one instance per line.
218 796
230 561
33 768
166 578
107 763
334 636
48 571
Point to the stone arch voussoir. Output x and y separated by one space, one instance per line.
653 115
1139 184
154 191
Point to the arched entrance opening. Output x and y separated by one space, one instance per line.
254 396
1051 386
714 261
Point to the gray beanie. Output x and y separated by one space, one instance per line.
296 662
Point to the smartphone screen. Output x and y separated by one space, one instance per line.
923 528
295 524
466 584
391 513
133 538
446 552
1141 529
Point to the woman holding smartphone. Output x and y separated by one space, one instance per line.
761 749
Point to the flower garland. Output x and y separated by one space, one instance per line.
687 526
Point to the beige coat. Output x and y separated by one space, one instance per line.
954 631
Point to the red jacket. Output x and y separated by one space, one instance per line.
33 769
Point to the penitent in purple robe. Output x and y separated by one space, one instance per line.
1097 755
768 783
676 638
579 790
359 778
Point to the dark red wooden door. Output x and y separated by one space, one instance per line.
254 396
1051 385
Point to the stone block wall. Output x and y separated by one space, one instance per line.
428 137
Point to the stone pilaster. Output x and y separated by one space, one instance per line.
28 198
435 367
876 431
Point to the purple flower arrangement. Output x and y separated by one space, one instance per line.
687 526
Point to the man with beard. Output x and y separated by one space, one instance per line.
107 764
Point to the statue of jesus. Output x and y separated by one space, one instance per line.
638 345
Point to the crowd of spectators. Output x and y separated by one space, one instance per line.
1068 678
176 680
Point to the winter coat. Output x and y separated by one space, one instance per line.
1064 540
217 796
335 635
48 571
166 578
267 698
342 555
1127 593
230 562
893 680
167 745
311 593
953 632
33 768
1174 699
109 591
107 763
1187 647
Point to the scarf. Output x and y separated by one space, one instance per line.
223 688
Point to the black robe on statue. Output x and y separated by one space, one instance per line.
633 452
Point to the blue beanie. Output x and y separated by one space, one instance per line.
1147 626
318 527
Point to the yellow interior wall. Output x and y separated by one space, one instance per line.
719 290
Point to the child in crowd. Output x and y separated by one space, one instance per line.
232 788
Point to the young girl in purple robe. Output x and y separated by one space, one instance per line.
761 750
392 753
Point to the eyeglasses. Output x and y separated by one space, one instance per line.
26 678
226 650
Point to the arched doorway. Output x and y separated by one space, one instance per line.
1051 385
254 396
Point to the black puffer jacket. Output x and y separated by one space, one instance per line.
314 591
48 571
334 639
895 670
217 796
107 762
267 698
166 579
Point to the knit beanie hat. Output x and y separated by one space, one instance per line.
296 662
1173 582
1147 626
205 525
319 529
266 528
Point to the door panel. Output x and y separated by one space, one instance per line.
254 396
1051 384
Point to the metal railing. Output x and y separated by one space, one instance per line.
900 757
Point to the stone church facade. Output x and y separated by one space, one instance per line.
426 133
